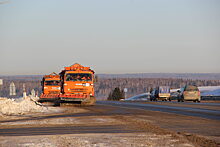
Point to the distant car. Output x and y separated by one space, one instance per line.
174 95
189 93
152 95
161 93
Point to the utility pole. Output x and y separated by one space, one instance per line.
1 83
125 91
33 93
12 89
24 92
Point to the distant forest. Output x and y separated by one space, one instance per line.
106 84
194 76
142 85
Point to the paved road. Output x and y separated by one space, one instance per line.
191 103
106 111
60 130
189 111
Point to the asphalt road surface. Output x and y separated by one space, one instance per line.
181 109
114 117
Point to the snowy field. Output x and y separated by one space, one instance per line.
23 106
210 90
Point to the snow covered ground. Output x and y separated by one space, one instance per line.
140 97
210 90
22 106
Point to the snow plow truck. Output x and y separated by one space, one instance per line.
76 86
50 88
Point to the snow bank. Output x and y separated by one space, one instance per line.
215 92
140 97
23 106
208 88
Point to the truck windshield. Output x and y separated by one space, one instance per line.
78 77
52 82
164 89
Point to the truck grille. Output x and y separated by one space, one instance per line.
82 90
54 92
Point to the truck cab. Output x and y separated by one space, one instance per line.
77 84
50 87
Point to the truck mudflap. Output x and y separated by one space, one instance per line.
84 100
49 97
73 97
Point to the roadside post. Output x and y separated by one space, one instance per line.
125 91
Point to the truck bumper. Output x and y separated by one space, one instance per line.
74 97
49 97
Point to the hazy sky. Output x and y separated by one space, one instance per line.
111 36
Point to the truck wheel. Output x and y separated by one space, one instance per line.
47 103
90 103
57 103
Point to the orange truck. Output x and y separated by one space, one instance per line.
50 87
77 85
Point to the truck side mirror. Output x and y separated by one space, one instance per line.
96 79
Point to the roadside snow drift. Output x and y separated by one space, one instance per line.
140 97
23 106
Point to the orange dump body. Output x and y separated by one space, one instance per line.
77 83
50 86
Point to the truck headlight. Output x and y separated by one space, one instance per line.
86 84
58 88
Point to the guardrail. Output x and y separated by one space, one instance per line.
210 98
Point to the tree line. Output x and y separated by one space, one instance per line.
142 85
116 94
104 87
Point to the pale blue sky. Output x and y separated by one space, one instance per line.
111 36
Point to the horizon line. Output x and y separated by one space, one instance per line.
121 73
